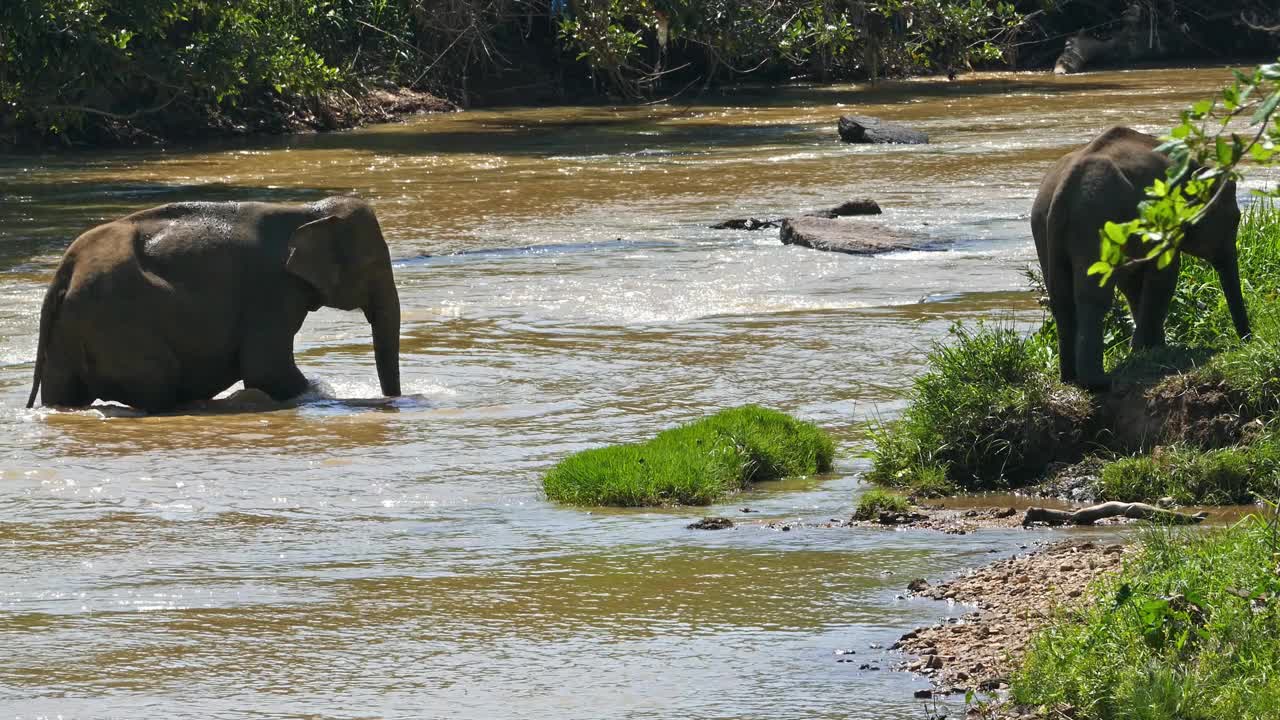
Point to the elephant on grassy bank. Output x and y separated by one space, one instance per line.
1105 181
174 304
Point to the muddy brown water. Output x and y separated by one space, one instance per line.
353 557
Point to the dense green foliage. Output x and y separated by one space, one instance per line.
95 70
693 464
986 414
874 501
1225 476
1187 631
990 412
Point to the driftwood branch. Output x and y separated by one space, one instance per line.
1253 22
1090 515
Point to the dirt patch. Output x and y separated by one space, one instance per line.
950 520
1179 409
1012 599
346 109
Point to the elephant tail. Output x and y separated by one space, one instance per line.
48 315
1060 206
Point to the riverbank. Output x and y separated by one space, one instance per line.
1187 422
1187 619
1007 602
1099 630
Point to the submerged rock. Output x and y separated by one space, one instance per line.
711 523
852 237
749 223
862 129
857 206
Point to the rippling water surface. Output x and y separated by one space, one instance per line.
354 557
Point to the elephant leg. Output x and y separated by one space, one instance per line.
63 387
1157 292
1091 306
266 364
1130 284
135 368
1062 305
1229 276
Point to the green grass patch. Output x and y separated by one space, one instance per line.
693 464
1189 630
990 413
1225 476
987 414
875 501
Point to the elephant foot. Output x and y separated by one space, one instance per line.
1096 385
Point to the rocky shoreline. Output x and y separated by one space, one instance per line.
1008 601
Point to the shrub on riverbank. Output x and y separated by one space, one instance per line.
1187 630
876 501
990 412
1225 476
693 464
987 414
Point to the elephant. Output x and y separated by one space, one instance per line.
172 305
1105 181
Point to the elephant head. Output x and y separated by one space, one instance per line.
344 258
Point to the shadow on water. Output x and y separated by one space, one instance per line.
610 130
248 401
556 137
246 419
902 91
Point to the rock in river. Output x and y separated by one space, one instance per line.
849 236
859 206
711 523
862 129
748 223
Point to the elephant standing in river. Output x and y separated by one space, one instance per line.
175 304
1105 181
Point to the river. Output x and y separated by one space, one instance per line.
561 290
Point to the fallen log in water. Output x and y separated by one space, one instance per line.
1093 513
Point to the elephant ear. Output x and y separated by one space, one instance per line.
314 255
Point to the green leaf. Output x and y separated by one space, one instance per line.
1231 97
1099 268
1267 107
1201 108
1223 151
1118 233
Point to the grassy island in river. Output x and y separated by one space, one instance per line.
693 464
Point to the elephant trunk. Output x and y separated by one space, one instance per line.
383 314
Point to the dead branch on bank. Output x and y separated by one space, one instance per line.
1090 515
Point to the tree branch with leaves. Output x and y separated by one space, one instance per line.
1208 147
